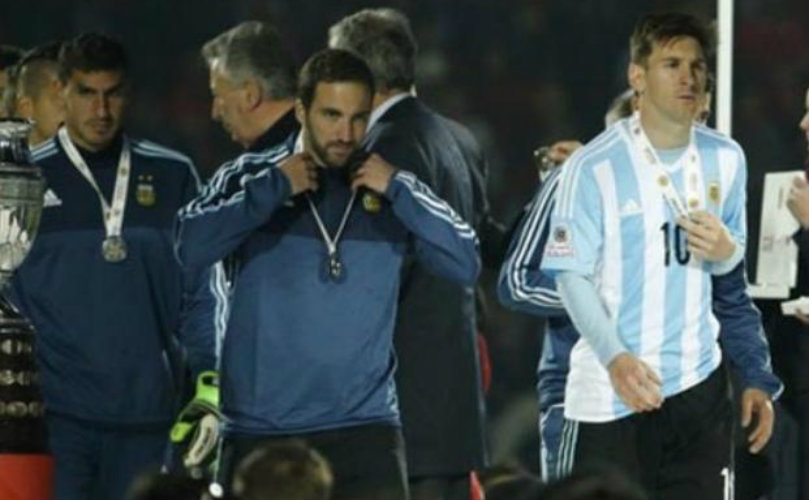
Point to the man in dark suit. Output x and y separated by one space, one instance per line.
790 341
438 378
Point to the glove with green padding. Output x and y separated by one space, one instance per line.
198 424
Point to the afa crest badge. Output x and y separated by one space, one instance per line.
371 203
145 192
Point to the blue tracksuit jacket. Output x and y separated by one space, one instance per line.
303 353
109 334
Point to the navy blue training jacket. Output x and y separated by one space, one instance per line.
304 353
110 334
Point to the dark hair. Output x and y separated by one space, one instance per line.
595 483
662 28
254 49
9 55
330 66
283 470
91 52
384 40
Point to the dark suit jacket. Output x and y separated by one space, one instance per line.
438 378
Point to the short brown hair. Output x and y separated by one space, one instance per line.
664 27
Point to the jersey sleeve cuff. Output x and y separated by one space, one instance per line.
726 266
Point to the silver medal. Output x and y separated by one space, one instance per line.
114 249
332 265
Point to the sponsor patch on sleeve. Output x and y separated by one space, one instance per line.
559 244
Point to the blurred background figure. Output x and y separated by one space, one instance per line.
37 92
9 56
283 470
438 377
159 486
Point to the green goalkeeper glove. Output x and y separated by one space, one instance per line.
197 428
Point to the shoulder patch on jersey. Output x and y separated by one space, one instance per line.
560 244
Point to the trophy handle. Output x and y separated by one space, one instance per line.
7 309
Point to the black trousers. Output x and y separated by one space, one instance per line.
368 462
680 451
455 487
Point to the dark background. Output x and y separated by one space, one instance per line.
519 73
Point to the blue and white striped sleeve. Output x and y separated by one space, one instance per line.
445 244
240 197
576 230
734 212
521 285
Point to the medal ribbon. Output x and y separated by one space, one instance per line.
113 215
331 244
693 170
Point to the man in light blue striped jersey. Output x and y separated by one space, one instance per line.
645 214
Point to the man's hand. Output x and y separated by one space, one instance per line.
802 316
757 402
301 171
374 174
546 158
708 238
635 382
197 428
561 150
798 201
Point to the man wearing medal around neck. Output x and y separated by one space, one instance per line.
646 213
309 350
109 301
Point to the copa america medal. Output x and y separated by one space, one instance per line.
114 249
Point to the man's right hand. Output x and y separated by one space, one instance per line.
798 201
301 171
635 382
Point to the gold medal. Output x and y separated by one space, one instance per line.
693 203
663 181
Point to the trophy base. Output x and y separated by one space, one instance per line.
22 419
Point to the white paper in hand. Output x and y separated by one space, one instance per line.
790 307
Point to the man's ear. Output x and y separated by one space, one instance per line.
252 94
636 76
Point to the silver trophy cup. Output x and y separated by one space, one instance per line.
22 186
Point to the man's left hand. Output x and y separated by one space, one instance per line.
708 238
757 402
374 174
